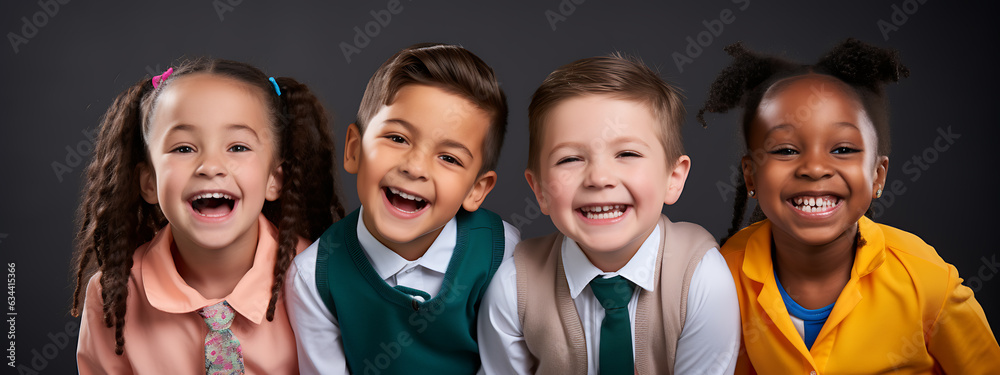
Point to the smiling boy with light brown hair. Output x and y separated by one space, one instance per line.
620 288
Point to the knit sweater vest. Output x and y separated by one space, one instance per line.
386 331
552 328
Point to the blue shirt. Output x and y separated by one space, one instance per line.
812 320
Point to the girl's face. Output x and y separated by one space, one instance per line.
213 160
813 160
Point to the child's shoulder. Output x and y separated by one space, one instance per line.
735 247
687 231
535 248
903 244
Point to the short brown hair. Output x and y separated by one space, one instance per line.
450 68
619 76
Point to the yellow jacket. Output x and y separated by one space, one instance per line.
903 311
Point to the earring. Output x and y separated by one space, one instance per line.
878 193
751 193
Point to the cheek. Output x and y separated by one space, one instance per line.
558 187
774 172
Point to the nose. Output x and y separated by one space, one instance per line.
600 175
211 165
414 165
815 165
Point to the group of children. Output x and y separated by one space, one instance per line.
214 239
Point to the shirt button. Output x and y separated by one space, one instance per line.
812 372
416 301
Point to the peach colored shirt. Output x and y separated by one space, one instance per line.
164 333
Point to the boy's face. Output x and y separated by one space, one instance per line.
603 176
417 164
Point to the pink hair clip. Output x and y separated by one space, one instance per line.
158 80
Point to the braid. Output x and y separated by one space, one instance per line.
114 219
860 66
743 76
111 227
739 209
309 201
741 84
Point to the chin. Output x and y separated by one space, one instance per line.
817 237
597 245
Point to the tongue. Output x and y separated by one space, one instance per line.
212 206
402 203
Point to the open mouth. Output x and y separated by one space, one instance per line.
603 212
811 204
213 204
403 201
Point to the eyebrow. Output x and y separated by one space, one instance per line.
447 142
192 129
847 124
619 140
779 127
790 127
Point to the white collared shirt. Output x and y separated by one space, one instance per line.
709 341
317 331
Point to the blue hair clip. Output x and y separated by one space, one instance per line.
276 89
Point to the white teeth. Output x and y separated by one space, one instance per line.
603 212
407 196
814 204
212 195
604 216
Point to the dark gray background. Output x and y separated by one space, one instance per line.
60 83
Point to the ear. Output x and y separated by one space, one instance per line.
147 183
676 179
535 182
746 163
352 149
482 187
881 171
274 183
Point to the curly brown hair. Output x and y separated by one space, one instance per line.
114 220
862 67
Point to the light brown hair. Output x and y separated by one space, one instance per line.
450 68
621 77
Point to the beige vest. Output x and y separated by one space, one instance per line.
552 328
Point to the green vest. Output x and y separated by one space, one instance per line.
386 330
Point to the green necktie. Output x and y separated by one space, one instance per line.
616 331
